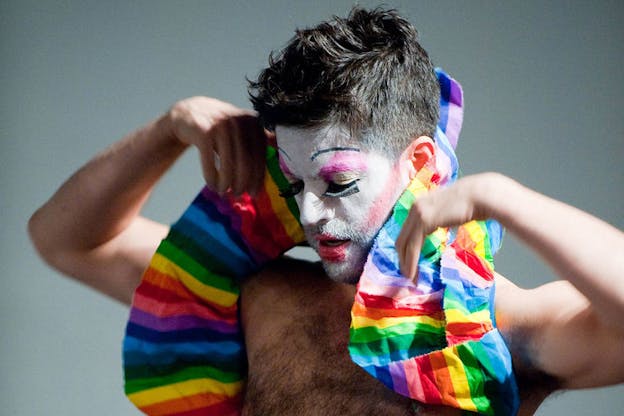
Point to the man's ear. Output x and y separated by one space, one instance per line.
419 152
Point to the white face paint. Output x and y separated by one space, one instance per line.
344 192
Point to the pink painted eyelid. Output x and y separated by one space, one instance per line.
342 162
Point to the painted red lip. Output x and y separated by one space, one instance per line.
331 249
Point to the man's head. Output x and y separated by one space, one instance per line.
352 102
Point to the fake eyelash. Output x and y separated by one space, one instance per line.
291 190
334 190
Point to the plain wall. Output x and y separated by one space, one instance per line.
544 98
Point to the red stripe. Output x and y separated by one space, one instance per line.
457 332
266 233
443 378
157 307
421 367
375 313
205 404
165 296
156 278
473 261
383 302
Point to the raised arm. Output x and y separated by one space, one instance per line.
574 327
91 228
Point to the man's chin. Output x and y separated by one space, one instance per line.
342 272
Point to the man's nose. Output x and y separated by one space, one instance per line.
312 209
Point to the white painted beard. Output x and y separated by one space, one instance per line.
349 268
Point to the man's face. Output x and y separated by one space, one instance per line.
344 192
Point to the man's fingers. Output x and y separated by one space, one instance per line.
240 157
223 148
409 243
409 252
207 157
256 148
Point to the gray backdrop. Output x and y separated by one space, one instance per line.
544 93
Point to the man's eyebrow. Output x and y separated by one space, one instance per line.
334 149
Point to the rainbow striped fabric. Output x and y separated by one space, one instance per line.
184 349
436 341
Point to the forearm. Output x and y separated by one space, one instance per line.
582 249
102 198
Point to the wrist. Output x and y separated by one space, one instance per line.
483 191
493 195
164 125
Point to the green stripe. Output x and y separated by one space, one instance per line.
279 179
372 333
484 356
188 264
475 377
196 252
452 300
489 257
402 207
373 347
188 373
430 248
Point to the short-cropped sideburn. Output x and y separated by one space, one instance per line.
366 72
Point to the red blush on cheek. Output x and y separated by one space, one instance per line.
381 206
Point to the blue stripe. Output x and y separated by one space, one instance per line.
181 336
220 354
216 245
382 360
445 93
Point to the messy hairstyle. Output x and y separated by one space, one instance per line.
366 72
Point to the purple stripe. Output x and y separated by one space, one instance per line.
399 380
455 113
372 272
225 207
179 322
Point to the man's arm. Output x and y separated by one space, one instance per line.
91 230
574 327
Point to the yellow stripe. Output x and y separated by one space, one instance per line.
416 187
184 389
478 236
459 379
291 224
208 293
362 322
454 315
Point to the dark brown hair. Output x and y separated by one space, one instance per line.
366 72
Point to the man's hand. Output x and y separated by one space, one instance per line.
91 228
230 141
443 207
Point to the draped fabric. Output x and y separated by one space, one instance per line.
184 351
436 342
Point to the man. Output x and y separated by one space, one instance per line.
350 140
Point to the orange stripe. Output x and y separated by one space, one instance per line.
167 282
158 308
443 378
378 313
183 404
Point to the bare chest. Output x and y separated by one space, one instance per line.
299 363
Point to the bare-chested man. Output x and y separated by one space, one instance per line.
353 105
